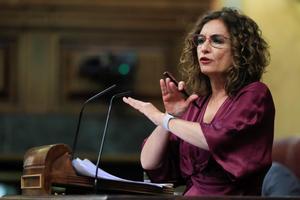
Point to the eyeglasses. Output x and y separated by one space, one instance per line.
216 41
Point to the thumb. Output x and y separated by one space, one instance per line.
191 98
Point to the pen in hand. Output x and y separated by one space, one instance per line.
171 77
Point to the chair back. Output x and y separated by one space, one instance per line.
287 152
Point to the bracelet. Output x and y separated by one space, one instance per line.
166 120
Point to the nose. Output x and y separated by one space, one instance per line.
205 47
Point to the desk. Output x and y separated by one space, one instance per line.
135 197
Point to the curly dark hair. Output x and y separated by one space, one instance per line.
249 50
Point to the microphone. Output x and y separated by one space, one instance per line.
80 115
104 133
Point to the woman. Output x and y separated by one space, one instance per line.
224 146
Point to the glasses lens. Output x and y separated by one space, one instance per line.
218 41
198 40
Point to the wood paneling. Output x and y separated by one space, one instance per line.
8 62
159 15
51 33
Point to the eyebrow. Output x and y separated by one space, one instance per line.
216 34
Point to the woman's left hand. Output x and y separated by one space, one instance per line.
173 99
148 109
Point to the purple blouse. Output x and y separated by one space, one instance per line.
239 138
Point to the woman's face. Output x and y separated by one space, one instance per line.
214 49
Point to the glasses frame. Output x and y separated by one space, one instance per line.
209 40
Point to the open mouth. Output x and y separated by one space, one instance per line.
205 60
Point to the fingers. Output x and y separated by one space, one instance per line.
168 82
181 86
133 102
191 98
172 87
167 86
146 108
163 87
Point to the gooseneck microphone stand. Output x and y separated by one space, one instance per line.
80 115
104 134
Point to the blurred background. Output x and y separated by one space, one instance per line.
55 54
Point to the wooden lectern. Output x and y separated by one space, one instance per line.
51 165
48 166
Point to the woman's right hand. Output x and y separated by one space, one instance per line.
173 99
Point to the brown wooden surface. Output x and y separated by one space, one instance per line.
53 164
49 167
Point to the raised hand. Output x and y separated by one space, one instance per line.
173 99
148 109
